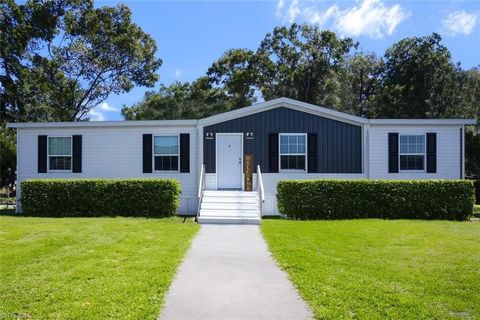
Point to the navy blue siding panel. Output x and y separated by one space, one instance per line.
338 143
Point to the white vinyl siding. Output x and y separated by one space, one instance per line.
116 152
448 152
110 152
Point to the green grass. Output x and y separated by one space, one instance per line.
380 269
88 268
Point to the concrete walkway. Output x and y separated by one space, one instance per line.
228 273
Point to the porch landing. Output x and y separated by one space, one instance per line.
229 207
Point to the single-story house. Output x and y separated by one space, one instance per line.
284 138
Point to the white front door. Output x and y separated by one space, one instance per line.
229 160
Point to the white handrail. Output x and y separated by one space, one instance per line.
260 189
201 187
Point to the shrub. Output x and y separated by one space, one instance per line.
476 211
477 191
387 199
100 197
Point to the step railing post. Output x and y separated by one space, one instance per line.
260 191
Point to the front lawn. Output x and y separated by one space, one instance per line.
381 269
88 268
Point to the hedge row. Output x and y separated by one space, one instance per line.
387 199
100 197
477 191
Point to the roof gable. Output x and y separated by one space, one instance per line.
287 103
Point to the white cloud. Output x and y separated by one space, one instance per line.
371 18
460 22
317 17
368 17
104 106
293 10
178 73
96 115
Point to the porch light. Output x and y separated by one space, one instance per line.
249 135
209 135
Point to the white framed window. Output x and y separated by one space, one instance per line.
412 152
59 153
166 150
293 151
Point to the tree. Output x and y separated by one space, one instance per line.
194 100
298 62
472 153
237 74
60 58
359 82
470 107
419 80
468 104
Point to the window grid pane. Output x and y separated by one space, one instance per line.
166 145
412 152
166 163
61 146
60 163
292 162
292 152
413 144
412 162
292 144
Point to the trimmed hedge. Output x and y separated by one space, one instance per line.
100 197
477 191
386 199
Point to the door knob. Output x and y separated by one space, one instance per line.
239 160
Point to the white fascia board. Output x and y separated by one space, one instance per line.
422 122
283 102
102 124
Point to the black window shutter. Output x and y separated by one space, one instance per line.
185 152
42 154
312 152
147 153
393 152
77 153
431 152
273 152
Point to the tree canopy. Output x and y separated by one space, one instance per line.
60 58
416 78
194 100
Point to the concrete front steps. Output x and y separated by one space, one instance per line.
229 207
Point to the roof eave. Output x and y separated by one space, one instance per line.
422 121
86 124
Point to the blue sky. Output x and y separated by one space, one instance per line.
190 35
